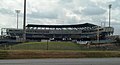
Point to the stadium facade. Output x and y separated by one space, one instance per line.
79 32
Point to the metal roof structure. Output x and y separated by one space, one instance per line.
63 26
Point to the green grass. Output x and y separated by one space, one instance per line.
43 46
36 50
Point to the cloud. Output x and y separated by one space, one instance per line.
102 1
42 15
115 4
60 12
6 11
93 11
65 1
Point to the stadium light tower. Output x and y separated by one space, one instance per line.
17 11
110 5
24 22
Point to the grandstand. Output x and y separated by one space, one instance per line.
78 32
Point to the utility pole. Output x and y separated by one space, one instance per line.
24 22
110 14
17 11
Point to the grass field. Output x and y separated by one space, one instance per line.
46 45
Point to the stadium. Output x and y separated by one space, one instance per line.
76 32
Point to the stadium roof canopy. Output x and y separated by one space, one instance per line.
63 26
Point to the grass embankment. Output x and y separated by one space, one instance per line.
36 54
36 50
45 46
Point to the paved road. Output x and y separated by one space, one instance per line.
85 61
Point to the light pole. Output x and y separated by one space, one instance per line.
24 22
17 11
110 5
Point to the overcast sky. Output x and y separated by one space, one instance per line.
60 12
